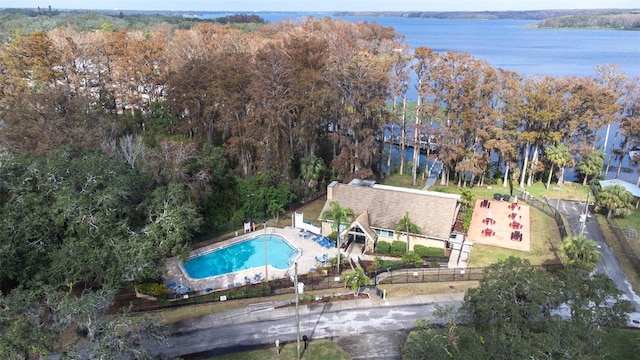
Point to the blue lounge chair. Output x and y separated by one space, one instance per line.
208 289
257 277
312 269
229 285
238 284
171 285
247 280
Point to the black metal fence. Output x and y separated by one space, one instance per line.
626 237
548 209
314 281
424 275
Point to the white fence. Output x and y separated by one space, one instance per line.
298 222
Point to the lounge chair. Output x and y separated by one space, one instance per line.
171 285
208 289
247 279
238 284
229 285
257 277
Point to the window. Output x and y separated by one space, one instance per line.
385 233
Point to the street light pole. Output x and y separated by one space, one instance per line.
266 258
295 284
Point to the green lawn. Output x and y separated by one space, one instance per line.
317 350
622 344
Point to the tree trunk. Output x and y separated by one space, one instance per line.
561 176
550 175
606 171
619 167
524 165
506 174
416 145
533 162
390 149
403 134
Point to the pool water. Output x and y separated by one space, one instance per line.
241 256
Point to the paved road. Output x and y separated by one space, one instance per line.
609 263
215 334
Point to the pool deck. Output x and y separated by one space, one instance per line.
306 261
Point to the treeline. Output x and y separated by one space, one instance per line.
622 21
486 15
19 22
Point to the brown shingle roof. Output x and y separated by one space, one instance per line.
433 212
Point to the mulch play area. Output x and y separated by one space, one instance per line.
501 222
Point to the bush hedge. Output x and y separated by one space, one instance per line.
383 247
388 264
398 248
425 251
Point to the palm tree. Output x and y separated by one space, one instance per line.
559 155
578 248
338 214
409 227
616 199
311 170
356 279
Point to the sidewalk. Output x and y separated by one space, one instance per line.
277 310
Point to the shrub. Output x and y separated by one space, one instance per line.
424 251
155 290
388 264
383 247
412 257
398 248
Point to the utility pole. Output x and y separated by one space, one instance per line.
297 310
583 217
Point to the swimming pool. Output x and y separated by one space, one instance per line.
244 255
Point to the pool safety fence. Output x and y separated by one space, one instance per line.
424 275
312 282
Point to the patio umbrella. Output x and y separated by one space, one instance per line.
515 199
490 215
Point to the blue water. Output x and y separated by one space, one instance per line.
241 256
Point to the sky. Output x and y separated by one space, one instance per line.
324 5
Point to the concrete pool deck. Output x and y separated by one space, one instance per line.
306 261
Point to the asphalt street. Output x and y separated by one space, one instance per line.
609 263
317 322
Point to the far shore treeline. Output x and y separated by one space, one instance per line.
124 138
